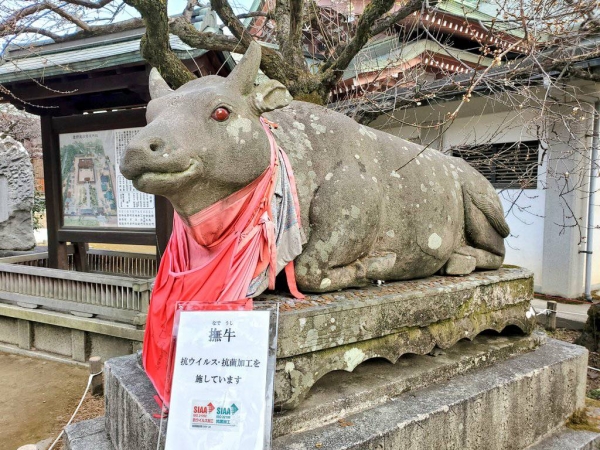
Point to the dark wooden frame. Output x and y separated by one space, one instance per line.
58 234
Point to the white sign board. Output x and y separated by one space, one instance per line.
221 396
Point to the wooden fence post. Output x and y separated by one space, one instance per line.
551 316
97 386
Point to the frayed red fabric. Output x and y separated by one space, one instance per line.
211 261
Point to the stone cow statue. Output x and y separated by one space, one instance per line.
373 206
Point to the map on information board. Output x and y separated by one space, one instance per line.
95 193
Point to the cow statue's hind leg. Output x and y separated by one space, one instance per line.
485 230
344 223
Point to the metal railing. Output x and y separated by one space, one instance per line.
139 265
122 263
117 287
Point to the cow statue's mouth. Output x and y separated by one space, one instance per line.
154 181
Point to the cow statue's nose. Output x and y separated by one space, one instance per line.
156 144
139 152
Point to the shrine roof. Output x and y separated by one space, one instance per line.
81 56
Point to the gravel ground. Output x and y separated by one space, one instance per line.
34 397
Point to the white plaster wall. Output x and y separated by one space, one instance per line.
596 249
525 245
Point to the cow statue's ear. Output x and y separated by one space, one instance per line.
270 95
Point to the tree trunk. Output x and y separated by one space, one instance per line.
155 47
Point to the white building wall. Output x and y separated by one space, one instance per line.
525 245
596 250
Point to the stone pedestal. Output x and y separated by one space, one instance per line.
339 331
455 387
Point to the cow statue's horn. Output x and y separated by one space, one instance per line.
157 85
243 75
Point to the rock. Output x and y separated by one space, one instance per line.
45 444
590 336
28 447
16 196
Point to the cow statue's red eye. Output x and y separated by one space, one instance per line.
220 114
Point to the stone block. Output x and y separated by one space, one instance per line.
515 403
131 405
78 345
57 333
108 346
51 339
567 439
16 196
340 393
339 331
507 406
9 330
25 334
87 435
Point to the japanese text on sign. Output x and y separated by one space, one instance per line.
220 375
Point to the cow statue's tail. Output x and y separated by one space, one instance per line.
485 225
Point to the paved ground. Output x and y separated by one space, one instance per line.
571 316
36 398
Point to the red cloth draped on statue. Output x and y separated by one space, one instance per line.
212 261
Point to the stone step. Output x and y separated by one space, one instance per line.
87 435
507 406
374 382
567 439
131 404
91 435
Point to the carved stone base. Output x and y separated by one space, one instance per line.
339 331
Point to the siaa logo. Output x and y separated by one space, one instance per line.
202 409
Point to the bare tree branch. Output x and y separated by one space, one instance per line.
183 29
250 15
38 7
89 4
101 30
395 18
42 31
189 9
69 17
271 64
155 46
225 12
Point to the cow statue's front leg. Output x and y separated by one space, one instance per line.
344 223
